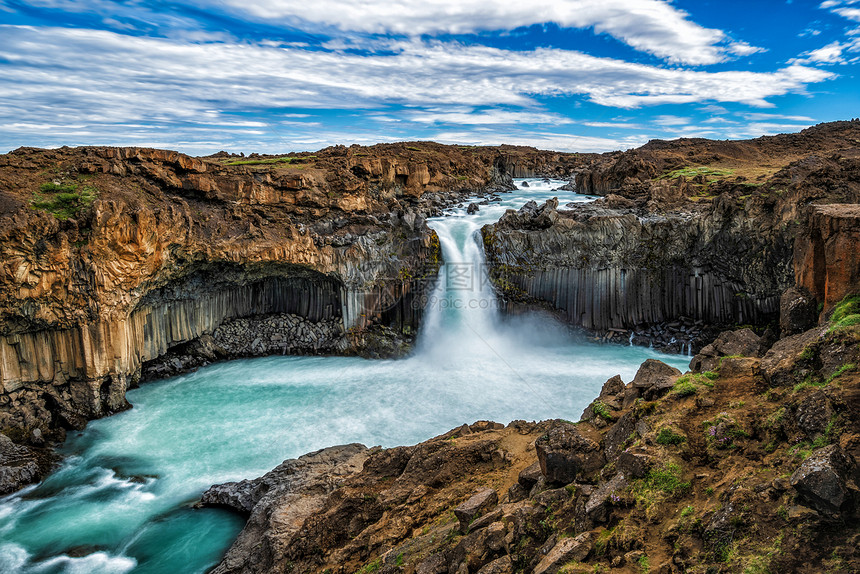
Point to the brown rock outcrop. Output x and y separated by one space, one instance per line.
827 253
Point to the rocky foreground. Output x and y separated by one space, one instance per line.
747 463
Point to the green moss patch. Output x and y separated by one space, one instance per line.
64 200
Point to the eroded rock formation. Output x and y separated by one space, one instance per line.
690 234
111 258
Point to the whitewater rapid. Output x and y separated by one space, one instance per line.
122 499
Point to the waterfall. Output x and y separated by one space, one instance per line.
461 317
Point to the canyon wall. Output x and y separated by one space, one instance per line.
169 249
689 234
607 268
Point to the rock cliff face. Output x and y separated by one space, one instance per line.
113 257
827 254
692 233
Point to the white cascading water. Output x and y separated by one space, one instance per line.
121 500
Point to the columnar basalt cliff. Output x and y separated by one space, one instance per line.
115 257
691 233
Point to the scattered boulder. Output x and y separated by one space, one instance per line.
563 453
821 480
477 505
486 520
473 208
566 550
813 414
529 476
433 564
480 548
501 565
553 497
788 358
798 311
598 501
616 437
633 464
653 380
612 387
516 492
742 342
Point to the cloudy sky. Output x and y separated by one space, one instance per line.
284 75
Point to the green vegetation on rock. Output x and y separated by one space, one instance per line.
846 313
64 200
269 161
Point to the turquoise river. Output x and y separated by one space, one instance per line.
122 498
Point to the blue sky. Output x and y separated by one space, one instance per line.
282 75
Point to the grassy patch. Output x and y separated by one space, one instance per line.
64 200
269 161
846 314
839 372
667 479
370 567
600 409
691 383
667 436
690 172
722 430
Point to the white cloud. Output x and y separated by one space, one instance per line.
849 13
744 49
486 117
620 125
652 26
771 117
102 80
671 121
832 53
540 140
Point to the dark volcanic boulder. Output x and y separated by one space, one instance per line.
477 505
18 466
784 362
821 480
473 208
566 550
601 498
612 387
653 380
798 311
616 438
564 453
742 342
813 414
633 464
